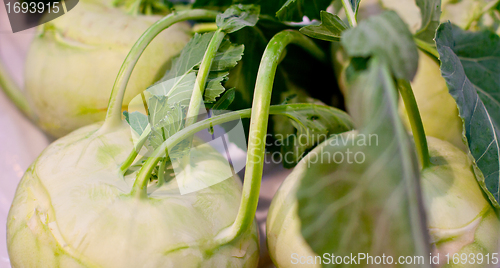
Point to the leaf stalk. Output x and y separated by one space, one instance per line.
416 124
113 116
14 93
351 16
258 128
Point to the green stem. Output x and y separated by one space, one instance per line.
161 172
140 186
201 79
204 27
139 189
349 12
113 116
258 128
415 121
137 148
429 48
14 93
477 16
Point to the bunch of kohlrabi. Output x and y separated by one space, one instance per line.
120 194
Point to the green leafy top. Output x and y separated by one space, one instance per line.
169 98
470 63
285 10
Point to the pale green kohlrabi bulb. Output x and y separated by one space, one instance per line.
72 208
73 62
460 219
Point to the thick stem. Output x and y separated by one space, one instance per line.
137 148
201 79
14 93
416 122
204 27
426 47
258 129
113 116
349 12
161 172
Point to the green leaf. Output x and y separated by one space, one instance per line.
224 102
237 17
178 83
387 37
169 121
330 29
371 205
157 109
137 121
430 11
295 10
314 124
177 89
470 63
227 56
214 86
190 57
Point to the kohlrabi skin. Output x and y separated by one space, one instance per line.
73 62
73 208
437 107
285 243
460 219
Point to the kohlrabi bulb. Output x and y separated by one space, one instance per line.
73 62
287 247
460 219
437 107
73 209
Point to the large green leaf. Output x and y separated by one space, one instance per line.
387 36
430 11
470 63
370 204
330 29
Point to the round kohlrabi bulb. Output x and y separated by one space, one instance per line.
460 219
73 62
73 208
